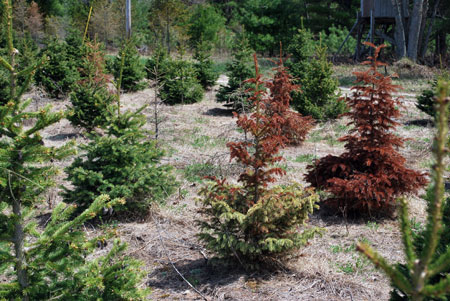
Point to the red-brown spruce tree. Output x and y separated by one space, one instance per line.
253 221
294 127
371 173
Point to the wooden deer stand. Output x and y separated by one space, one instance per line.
378 17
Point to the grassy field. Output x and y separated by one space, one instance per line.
194 137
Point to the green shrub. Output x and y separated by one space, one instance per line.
92 106
238 227
59 71
309 65
123 163
425 101
133 68
159 63
239 70
180 84
317 97
92 102
204 66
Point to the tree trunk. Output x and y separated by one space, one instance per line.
430 27
19 237
423 24
414 29
399 34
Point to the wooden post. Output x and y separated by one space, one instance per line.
128 18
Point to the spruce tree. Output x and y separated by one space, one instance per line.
122 163
251 221
424 276
133 70
59 71
309 65
371 173
234 93
180 84
92 102
43 263
204 65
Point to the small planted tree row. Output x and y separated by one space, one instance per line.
43 263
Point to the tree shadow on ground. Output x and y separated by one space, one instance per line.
205 275
219 112
420 122
64 136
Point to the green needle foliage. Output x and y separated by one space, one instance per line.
60 70
425 101
133 71
92 102
180 84
48 262
122 163
416 279
204 65
309 65
239 70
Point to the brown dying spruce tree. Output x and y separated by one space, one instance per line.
371 173
294 126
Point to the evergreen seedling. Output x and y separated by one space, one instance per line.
371 173
235 93
92 102
122 163
180 84
48 263
60 70
204 65
425 101
252 221
425 274
313 72
133 70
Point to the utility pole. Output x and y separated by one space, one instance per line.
128 18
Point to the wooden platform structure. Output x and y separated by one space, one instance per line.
376 19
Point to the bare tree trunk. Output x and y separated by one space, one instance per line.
430 27
19 237
399 34
414 29
422 26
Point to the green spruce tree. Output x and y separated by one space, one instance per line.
92 102
133 70
48 263
204 65
239 70
309 65
122 163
